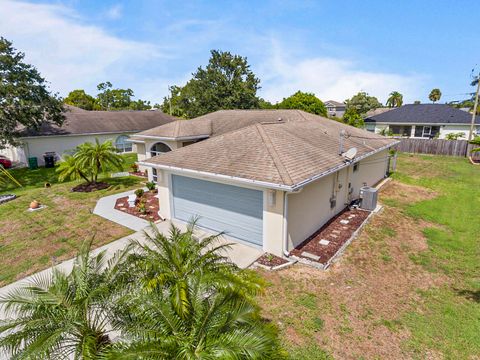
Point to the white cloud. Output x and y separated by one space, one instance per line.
329 78
69 53
114 12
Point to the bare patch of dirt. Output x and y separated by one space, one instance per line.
406 194
362 297
91 187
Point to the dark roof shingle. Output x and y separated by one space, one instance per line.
78 122
424 114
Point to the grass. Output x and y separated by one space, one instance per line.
408 287
32 241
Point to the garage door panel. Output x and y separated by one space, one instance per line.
235 210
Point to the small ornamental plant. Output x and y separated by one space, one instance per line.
139 193
142 206
150 185
135 167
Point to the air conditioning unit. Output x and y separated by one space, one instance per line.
368 196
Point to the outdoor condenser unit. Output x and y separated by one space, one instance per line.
369 196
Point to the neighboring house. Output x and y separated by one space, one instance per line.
335 108
268 178
81 126
422 121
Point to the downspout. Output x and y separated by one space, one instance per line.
285 220
285 224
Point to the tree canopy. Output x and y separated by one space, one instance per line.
435 95
353 118
304 101
81 99
227 82
362 102
25 100
108 98
395 99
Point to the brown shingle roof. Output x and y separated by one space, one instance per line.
218 123
78 121
284 153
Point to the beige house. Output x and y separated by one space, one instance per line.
268 178
82 126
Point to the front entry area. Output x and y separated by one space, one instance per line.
235 210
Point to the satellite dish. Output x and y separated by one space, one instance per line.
350 154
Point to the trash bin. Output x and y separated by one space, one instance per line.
32 163
49 159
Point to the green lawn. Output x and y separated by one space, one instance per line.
408 287
31 241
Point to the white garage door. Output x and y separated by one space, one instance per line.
235 210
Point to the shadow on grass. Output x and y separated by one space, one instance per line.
469 294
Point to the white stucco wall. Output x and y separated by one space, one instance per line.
444 129
310 209
143 150
37 146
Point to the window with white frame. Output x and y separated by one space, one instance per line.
425 131
123 144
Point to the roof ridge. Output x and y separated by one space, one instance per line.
176 129
282 170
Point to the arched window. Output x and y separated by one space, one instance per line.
123 144
159 148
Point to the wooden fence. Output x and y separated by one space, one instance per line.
436 147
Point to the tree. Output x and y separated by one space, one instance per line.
304 101
352 118
191 302
417 102
435 95
69 168
362 102
25 101
97 158
225 83
65 315
81 99
395 99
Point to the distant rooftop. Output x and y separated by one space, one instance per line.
423 114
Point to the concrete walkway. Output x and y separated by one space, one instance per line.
106 208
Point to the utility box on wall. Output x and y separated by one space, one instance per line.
368 196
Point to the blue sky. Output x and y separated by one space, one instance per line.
331 48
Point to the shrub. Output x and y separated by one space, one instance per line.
151 185
454 136
139 193
134 167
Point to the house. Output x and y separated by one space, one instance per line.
268 178
82 126
422 121
335 108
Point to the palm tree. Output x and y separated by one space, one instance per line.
98 157
64 315
69 168
475 141
191 302
221 325
171 262
395 99
435 95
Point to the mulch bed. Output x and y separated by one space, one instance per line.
271 260
152 206
91 187
334 232
139 173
